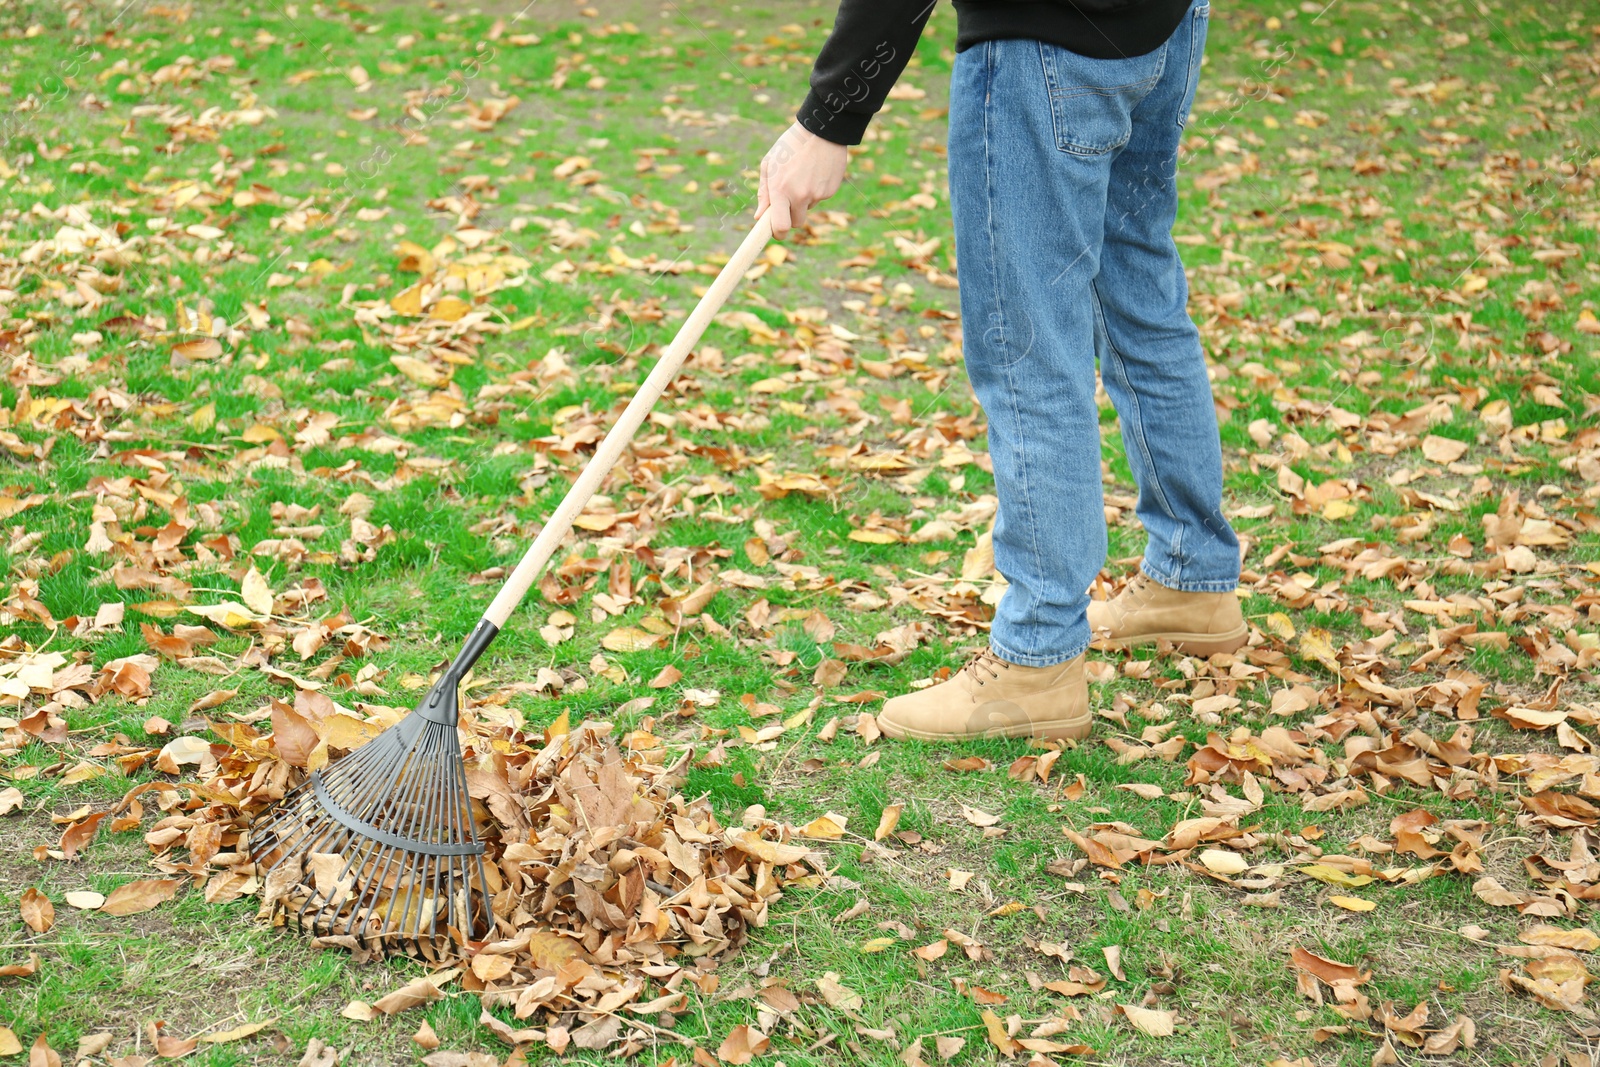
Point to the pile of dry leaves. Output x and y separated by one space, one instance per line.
611 891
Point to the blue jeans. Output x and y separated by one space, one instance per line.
1063 184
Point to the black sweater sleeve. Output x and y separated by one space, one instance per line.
871 42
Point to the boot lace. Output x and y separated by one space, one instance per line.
985 662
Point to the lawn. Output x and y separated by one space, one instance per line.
309 314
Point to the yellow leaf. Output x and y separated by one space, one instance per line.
631 639
1334 510
408 301
829 827
260 434
878 944
1317 644
204 417
229 614
238 1032
421 371
1334 876
875 537
1353 903
887 822
449 309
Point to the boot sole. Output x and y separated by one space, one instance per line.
1191 644
1056 730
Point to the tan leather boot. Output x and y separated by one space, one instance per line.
992 698
1147 612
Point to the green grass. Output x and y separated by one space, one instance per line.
1349 169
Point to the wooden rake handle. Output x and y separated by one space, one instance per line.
633 416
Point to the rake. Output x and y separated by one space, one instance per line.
380 846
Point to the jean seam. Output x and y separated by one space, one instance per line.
1133 400
1005 372
1045 659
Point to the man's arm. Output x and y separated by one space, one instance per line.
871 42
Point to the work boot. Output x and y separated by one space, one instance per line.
1147 612
992 698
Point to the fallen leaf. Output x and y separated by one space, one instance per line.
182 752
1221 861
887 822
1329 971
996 1031
1334 876
37 911
425 1037
42 1055
238 1033
1579 939
134 897
743 1044
1150 1021
1353 903
413 994
838 995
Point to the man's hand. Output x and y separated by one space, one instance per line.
798 172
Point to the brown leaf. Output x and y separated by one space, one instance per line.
319 1055
215 698
167 1047
134 897
413 994
743 1044
9 1045
37 911
491 968
42 1055
292 734
425 1037
1329 971
77 835
1463 1033
838 995
21 970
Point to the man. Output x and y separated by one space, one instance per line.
1065 121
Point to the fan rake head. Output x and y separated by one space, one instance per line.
380 845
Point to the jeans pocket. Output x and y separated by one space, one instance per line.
1092 100
1199 21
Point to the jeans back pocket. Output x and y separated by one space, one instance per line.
1092 100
